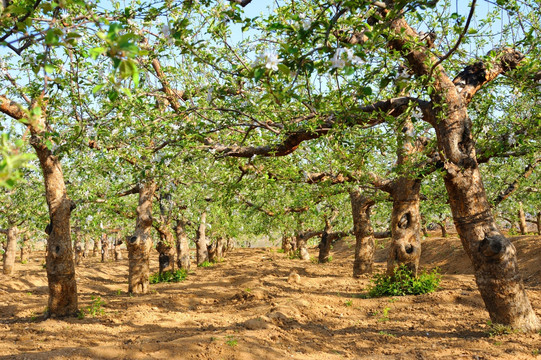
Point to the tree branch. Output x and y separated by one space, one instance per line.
515 184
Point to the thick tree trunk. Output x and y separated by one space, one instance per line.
325 243
10 250
78 248
183 247
405 246
140 243
211 250
300 240
117 249
166 249
288 245
443 228
60 264
201 241
539 223
25 249
95 248
86 252
363 231
166 259
220 244
493 256
522 219
104 248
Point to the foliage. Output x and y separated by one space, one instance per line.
205 264
94 309
168 276
402 282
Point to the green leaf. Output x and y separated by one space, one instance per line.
97 88
258 73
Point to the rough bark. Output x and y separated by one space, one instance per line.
363 231
140 243
443 228
288 245
405 246
104 248
10 250
95 248
201 241
522 219
166 247
25 249
117 249
86 252
301 240
539 223
166 259
492 255
183 247
78 248
60 264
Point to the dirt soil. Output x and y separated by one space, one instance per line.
253 306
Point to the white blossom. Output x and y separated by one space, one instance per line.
89 218
511 139
356 61
166 31
270 59
306 22
417 113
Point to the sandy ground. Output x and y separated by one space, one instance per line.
245 308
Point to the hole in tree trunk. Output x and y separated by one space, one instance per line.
133 239
404 221
409 249
57 249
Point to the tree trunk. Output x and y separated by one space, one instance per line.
183 247
25 249
86 252
165 248
166 259
493 256
443 228
539 223
300 240
325 244
363 231
211 250
405 246
60 264
104 248
78 253
220 248
140 243
288 245
10 250
95 248
117 250
201 241
522 219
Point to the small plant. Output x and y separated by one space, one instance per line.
231 341
348 303
94 309
402 282
205 264
168 276
119 292
248 290
385 333
499 329
294 255
329 259
281 251
24 262
384 315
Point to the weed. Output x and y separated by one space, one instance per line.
94 309
280 251
386 333
168 276
385 314
29 293
402 282
329 259
119 292
392 300
295 255
205 264
536 352
231 341
248 290
348 303
499 329
24 262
